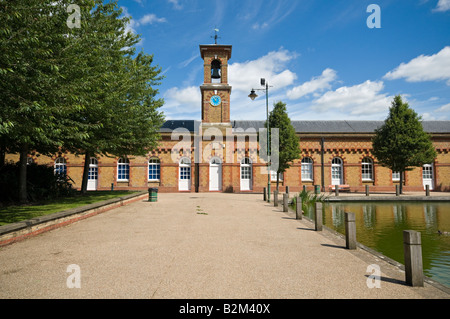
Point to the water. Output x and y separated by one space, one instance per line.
380 226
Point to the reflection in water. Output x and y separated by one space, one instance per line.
380 226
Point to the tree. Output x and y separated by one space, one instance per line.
289 146
115 88
32 97
401 143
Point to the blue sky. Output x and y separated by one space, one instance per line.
320 57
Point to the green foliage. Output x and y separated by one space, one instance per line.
42 183
82 90
308 199
401 143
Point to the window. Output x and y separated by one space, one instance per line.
427 172
395 176
273 176
367 169
246 168
154 169
93 168
185 168
123 169
336 171
307 169
60 166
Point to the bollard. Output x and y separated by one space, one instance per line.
412 246
336 190
112 187
350 231
285 202
275 198
304 188
427 190
397 190
287 189
367 190
265 194
298 211
318 216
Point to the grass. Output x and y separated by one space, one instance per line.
13 214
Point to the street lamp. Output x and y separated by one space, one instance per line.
253 96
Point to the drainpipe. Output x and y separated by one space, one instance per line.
322 142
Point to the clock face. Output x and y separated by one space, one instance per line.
215 100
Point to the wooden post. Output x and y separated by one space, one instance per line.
275 198
265 195
298 211
350 231
285 202
367 190
318 216
412 245
427 190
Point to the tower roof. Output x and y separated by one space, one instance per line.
215 48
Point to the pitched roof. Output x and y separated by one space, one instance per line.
341 126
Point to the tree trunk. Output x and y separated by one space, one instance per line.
401 183
87 160
23 195
278 181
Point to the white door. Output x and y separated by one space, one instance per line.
246 174
184 179
215 174
92 175
427 176
336 172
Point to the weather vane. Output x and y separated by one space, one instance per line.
215 35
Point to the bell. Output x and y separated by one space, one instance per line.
215 74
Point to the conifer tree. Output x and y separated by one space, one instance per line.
401 143
289 147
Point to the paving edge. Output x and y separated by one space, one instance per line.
373 252
15 232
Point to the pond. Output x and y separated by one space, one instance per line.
380 226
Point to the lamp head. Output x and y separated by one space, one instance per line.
252 95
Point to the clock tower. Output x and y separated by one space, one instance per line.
215 90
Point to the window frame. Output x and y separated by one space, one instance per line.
123 163
367 169
155 163
307 167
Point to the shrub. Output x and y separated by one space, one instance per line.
42 183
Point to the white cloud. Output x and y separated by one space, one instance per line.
319 83
444 108
176 4
150 19
443 5
273 67
424 68
360 99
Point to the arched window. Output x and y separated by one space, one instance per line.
307 169
367 169
154 169
215 71
336 171
123 169
60 166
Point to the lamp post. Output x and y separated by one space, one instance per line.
252 96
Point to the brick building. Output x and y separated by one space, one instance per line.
219 154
